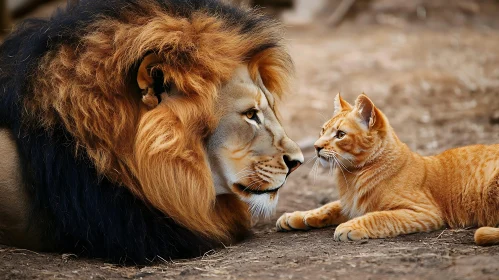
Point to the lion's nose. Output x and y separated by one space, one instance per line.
292 164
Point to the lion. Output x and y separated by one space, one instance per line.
138 130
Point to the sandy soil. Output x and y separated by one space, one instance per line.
439 87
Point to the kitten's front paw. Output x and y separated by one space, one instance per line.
350 232
292 221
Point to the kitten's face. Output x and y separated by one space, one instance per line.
353 135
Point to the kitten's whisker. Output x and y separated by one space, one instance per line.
312 171
336 153
314 168
342 164
341 169
331 153
330 167
315 163
308 161
345 159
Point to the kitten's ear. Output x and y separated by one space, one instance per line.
340 104
367 111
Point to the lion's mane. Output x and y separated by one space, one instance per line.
113 179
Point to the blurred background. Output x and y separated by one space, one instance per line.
432 66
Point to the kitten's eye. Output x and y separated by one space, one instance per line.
322 131
340 134
252 115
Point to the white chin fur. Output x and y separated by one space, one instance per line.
261 205
324 162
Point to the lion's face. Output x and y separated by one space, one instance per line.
249 153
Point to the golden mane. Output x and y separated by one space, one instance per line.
158 154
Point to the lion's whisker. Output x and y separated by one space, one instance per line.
254 183
246 176
244 173
246 169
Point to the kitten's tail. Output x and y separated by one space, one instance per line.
487 236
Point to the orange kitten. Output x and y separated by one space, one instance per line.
386 190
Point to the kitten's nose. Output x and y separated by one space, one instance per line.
318 148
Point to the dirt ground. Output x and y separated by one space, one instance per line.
439 87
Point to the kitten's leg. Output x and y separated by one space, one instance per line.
327 215
388 224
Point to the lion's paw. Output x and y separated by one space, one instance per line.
292 221
350 232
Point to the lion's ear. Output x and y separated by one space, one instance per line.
261 85
145 80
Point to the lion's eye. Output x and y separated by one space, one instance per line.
322 131
340 134
252 115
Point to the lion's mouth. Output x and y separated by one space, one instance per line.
257 192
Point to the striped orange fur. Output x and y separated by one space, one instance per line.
387 190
